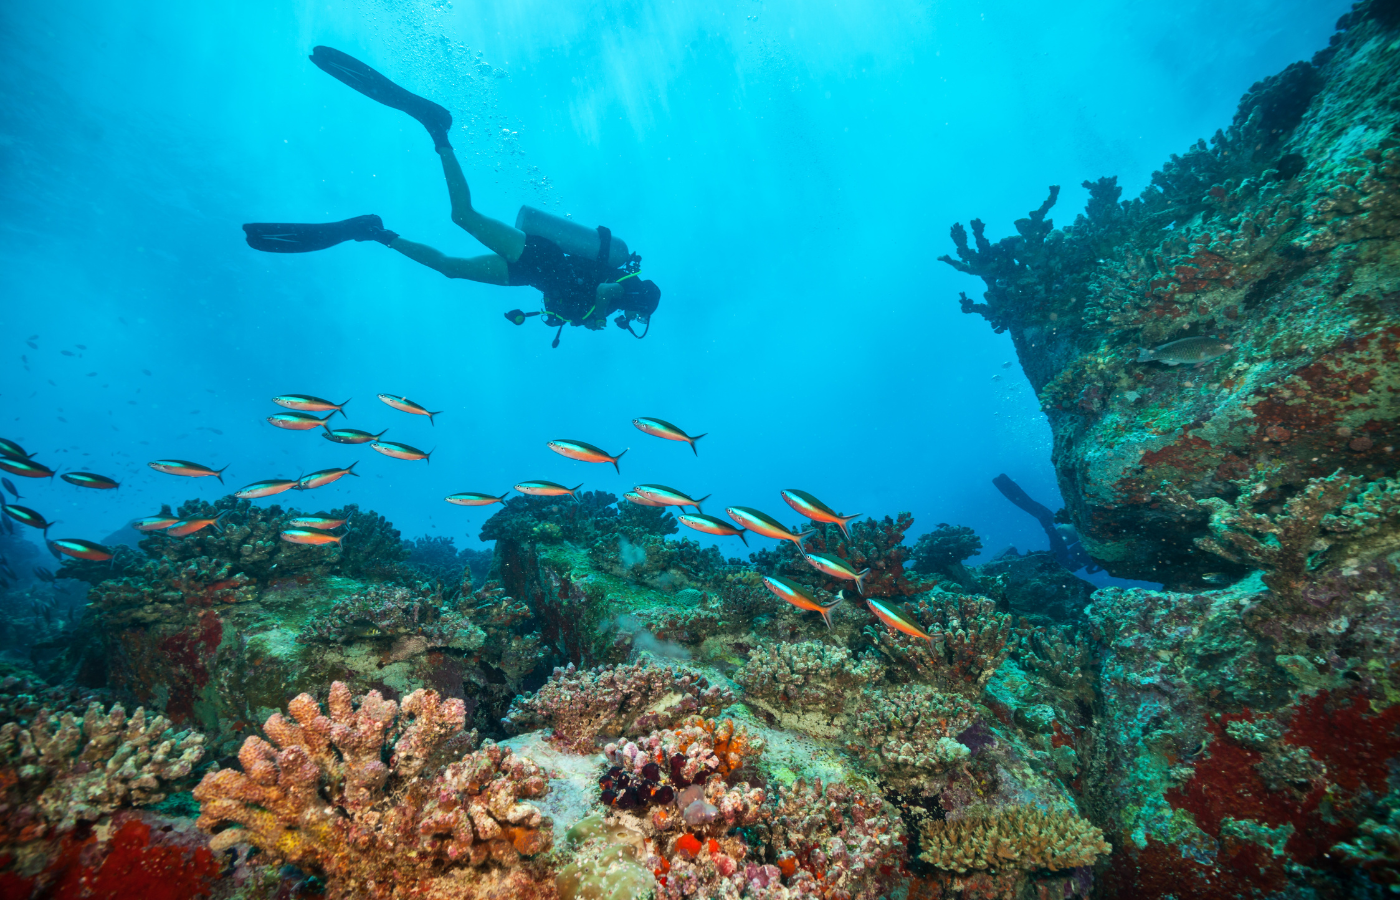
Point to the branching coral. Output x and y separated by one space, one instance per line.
811 675
1020 838
909 732
874 545
1061 656
325 799
393 613
613 700
970 642
943 551
835 843
160 590
60 769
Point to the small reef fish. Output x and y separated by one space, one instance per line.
308 403
402 451
766 525
669 496
90 480
711 525
80 549
320 523
800 597
42 573
1192 350
25 467
9 486
11 449
155 523
637 499
309 536
897 619
325 477
836 567
817 511
192 524
404 404
186 468
546 489
663 429
471 498
351 435
265 488
26 516
297 421
584 452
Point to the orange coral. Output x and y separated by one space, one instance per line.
732 744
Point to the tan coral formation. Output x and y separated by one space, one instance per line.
325 799
1022 838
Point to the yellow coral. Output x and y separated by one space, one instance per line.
1022 838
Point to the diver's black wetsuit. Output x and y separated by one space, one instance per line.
569 283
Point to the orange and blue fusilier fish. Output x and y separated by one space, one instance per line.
663 429
298 421
11 449
308 403
546 489
191 524
325 477
584 452
80 549
836 567
402 451
26 516
320 523
351 435
90 480
403 404
471 498
669 496
25 467
896 619
816 510
711 525
766 525
637 499
155 523
310 536
186 468
800 597
265 488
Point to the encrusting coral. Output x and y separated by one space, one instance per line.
834 842
970 641
396 613
324 798
1023 839
909 732
810 675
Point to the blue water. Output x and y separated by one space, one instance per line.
788 171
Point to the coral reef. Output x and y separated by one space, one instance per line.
944 550
409 619
834 842
970 640
874 545
809 676
909 733
1017 839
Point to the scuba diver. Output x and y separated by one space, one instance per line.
584 274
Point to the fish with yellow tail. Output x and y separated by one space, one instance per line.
816 510
186 468
325 477
668 496
766 525
309 536
711 525
637 499
663 429
308 403
800 597
472 498
835 567
547 489
403 404
402 451
585 452
80 549
295 421
896 619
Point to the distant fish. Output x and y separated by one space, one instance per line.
145 371
308 403
9 486
402 451
1192 350
186 468
637 499
67 353
711 525
26 467
897 619
350 435
669 496
191 524
800 597
545 489
43 574
12 450
81 346
325 477
90 480
816 510
320 523
1215 577
91 374
154 523
32 345
406 405
80 549
836 567
297 421
584 452
663 429
26 516
309 536
765 525
265 488
471 498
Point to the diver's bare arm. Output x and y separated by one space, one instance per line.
500 238
488 269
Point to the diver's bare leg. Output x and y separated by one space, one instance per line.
503 239
488 269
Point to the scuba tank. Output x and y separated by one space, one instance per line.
573 238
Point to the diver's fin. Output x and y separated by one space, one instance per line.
349 70
288 237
